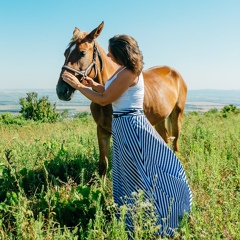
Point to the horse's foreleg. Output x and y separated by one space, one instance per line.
104 146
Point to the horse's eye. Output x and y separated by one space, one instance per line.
82 53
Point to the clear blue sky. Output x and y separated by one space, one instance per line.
199 38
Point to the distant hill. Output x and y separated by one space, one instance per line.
205 99
197 100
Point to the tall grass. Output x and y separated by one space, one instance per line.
211 152
50 188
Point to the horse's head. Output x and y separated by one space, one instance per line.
81 57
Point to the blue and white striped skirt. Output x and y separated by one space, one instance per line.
142 161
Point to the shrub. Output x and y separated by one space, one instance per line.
39 109
193 113
213 111
230 108
9 118
81 115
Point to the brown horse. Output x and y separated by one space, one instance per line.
165 91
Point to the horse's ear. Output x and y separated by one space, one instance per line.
96 32
76 30
76 33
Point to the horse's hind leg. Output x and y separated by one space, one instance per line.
162 130
169 129
174 126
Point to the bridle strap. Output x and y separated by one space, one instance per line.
74 70
100 59
93 64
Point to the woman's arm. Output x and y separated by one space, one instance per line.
89 82
122 82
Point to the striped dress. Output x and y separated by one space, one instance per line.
142 161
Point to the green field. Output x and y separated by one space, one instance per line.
50 188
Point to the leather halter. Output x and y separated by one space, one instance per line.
93 64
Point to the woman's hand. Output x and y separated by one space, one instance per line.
71 79
87 81
74 82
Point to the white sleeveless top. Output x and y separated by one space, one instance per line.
132 98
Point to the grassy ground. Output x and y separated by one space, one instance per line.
49 187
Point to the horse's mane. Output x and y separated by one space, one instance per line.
78 35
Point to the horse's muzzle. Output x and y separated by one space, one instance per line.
64 91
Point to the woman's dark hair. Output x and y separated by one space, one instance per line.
126 52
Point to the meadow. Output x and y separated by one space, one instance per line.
50 188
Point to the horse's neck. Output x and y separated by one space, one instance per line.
109 68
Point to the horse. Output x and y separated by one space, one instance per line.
164 97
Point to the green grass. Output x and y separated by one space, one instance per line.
211 153
50 189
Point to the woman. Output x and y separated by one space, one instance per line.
141 159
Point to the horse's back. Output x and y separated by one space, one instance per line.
164 90
164 76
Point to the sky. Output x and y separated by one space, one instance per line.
200 39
